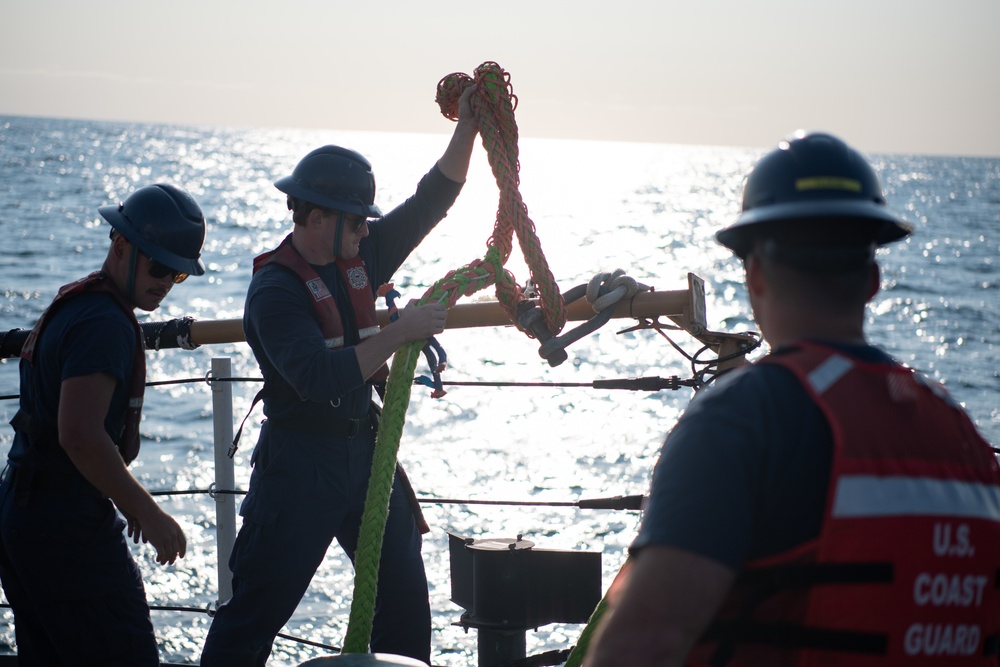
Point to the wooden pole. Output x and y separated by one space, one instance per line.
482 314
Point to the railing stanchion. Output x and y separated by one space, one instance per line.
225 477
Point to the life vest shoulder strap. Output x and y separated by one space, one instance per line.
357 285
128 442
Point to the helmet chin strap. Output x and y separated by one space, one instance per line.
133 261
338 236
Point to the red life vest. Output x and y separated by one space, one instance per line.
355 278
128 443
905 569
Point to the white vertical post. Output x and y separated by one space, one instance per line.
225 477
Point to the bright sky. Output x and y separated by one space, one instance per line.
906 76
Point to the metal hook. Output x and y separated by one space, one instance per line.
553 348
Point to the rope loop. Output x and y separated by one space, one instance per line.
493 105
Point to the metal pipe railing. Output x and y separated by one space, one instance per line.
225 475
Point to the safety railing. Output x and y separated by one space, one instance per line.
685 308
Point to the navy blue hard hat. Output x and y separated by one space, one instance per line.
814 179
164 223
335 178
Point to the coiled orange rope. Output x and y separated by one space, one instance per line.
493 104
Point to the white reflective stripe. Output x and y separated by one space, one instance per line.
827 373
872 496
370 331
334 342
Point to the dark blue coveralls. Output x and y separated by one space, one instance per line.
76 592
313 458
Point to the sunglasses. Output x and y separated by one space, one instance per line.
159 270
354 222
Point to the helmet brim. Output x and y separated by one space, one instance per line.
887 226
290 187
192 267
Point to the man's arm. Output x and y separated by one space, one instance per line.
668 599
422 322
83 404
393 237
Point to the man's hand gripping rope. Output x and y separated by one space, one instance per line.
437 359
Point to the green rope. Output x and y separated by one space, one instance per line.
575 658
580 650
397 399
390 432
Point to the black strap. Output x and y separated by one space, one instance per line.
991 644
236 439
765 582
782 577
341 428
36 431
22 422
790 636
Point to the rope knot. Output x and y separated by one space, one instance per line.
618 285
449 89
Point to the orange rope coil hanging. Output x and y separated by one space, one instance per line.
493 105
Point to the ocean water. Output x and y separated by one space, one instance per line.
648 209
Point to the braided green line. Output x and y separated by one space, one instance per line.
397 399
390 432
576 655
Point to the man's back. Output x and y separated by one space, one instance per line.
750 457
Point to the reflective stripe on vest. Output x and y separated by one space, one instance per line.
873 496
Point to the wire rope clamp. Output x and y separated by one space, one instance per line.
211 381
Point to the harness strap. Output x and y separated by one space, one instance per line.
814 574
239 432
771 580
25 423
342 428
789 636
